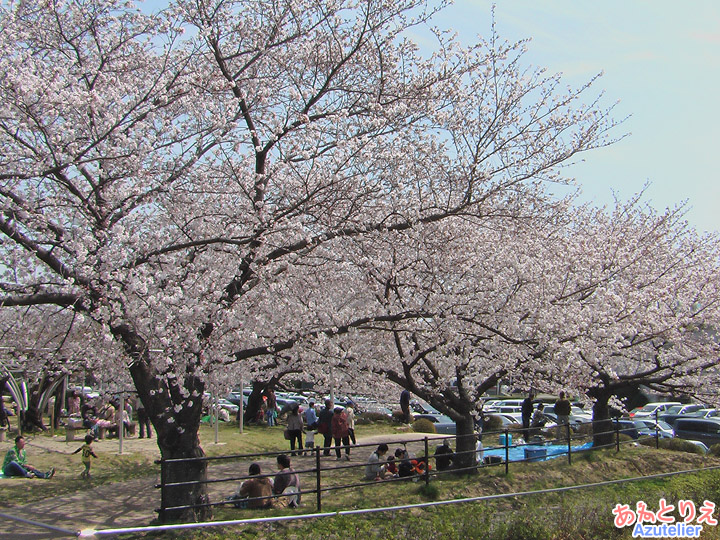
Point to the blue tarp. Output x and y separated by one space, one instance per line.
517 452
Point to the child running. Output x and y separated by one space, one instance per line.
87 451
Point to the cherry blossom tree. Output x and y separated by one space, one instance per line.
192 180
556 296
643 308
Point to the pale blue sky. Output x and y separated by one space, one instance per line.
661 60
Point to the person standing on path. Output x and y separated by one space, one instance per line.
405 406
562 410
340 432
295 427
324 421
350 414
311 416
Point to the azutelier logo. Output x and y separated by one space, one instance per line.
663 523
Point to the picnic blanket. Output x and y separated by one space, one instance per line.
517 452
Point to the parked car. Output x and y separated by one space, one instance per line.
377 408
651 409
574 423
421 407
514 412
495 404
684 409
627 427
705 413
706 430
85 391
511 419
701 445
580 414
235 397
648 427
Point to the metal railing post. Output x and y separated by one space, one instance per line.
617 436
657 436
317 478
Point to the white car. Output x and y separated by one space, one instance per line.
581 415
496 404
651 409
231 407
705 413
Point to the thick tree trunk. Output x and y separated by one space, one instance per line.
466 444
254 401
174 406
32 419
175 497
602 424
176 422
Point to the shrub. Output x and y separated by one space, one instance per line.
714 450
423 425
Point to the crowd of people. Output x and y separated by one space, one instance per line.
334 424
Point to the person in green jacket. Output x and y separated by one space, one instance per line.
15 463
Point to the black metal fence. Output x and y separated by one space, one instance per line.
317 475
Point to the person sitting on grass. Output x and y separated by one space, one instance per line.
15 463
257 491
539 419
444 456
373 468
389 470
406 467
286 482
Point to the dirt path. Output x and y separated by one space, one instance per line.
133 503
